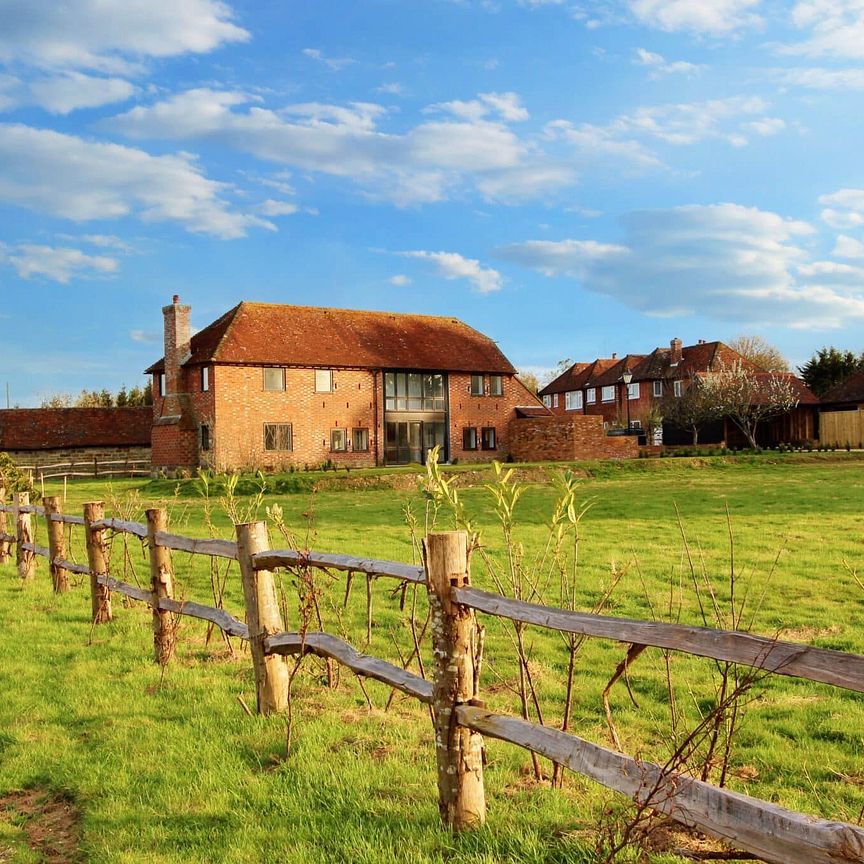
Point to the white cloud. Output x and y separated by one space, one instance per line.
106 241
61 94
507 105
72 178
699 16
818 78
428 162
451 265
400 280
277 208
843 208
836 29
334 63
848 247
766 126
145 336
724 261
659 65
111 35
391 89
59 264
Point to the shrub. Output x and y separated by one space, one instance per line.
14 479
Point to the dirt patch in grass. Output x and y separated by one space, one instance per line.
50 824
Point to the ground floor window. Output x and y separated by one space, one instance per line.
205 437
407 441
488 438
278 436
338 440
360 440
469 438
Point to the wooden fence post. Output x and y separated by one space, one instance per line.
100 596
4 529
264 618
459 751
56 544
25 559
162 585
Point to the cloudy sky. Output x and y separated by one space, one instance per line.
572 177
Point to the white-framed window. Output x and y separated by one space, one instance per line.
591 395
635 424
573 400
278 436
547 401
323 380
477 385
496 385
205 379
608 393
338 440
678 387
554 400
161 382
274 379
658 389
633 390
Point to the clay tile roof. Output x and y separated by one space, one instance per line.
612 375
802 391
56 428
849 390
579 375
265 334
532 411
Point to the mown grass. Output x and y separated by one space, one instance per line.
172 769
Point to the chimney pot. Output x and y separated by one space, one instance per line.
175 299
614 356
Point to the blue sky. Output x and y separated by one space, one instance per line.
572 178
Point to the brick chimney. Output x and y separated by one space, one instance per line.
178 340
676 354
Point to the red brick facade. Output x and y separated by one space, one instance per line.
538 439
223 415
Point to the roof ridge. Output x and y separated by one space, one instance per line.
451 318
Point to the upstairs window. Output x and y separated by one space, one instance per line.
678 388
274 380
413 391
607 394
633 390
547 401
323 380
496 385
591 395
469 438
488 438
477 385
658 389
205 379
161 383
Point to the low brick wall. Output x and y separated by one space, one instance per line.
80 455
549 439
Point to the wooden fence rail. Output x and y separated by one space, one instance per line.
765 830
90 468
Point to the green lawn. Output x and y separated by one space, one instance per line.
174 770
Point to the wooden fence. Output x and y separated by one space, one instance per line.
842 427
760 828
90 468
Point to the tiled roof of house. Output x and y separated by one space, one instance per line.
702 357
60 428
803 393
851 390
265 334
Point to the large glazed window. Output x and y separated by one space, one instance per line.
413 391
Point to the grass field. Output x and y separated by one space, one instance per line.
173 770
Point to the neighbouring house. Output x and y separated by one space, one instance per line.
602 388
38 437
841 417
273 386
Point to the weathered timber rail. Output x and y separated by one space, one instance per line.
765 830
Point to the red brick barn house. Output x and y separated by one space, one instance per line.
632 388
272 386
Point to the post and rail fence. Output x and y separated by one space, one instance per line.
760 828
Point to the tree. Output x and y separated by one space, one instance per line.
830 366
760 353
695 406
560 368
529 379
747 398
136 397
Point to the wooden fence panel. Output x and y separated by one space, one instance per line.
842 427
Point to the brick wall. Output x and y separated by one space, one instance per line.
540 439
42 458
